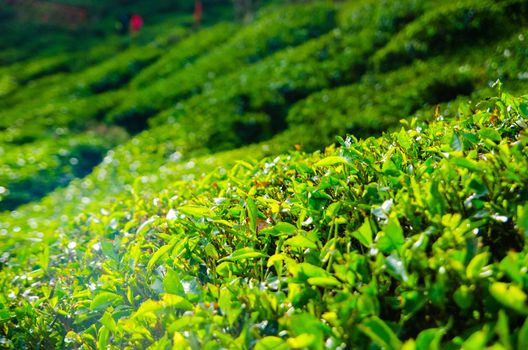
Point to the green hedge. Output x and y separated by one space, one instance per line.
378 101
183 53
292 25
116 72
448 27
33 170
416 238
251 105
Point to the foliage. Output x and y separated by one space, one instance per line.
290 26
158 192
35 169
449 26
304 250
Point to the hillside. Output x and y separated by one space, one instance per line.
327 176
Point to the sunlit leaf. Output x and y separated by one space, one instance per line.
104 299
271 343
244 254
300 242
328 161
197 212
377 330
510 296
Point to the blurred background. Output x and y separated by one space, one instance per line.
155 83
48 25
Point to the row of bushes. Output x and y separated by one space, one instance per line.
251 104
448 27
416 238
254 104
370 107
33 170
183 53
63 113
50 107
292 25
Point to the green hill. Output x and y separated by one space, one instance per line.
326 176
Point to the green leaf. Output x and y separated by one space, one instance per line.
244 254
465 163
364 234
325 282
463 297
271 343
510 296
150 307
172 283
197 212
252 214
308 323
161 252
430 339
523 336
490 134
179 341
303 271
503 330
176 301
456 143
211 251
396 267
523 107
285 227
380 333
104 299
145 226
300 242
333 210
281 229
522 220
108 321
275 258
476 265
392 237
476 340
245 164
413 301
147 308
104 335
328 161
302 341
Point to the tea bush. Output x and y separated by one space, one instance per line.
367 108
304 250
31 171
211 228
291 26
184 53
118 71
449 26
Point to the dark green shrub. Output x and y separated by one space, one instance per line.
291 26
448 27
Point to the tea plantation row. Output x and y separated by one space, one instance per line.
201 227
251 104
414 239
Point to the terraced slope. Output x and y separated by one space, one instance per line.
162 197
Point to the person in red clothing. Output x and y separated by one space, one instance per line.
198 11
136 23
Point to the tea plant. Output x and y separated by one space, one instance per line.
410 239
159 194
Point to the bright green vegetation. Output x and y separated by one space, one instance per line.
195 189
